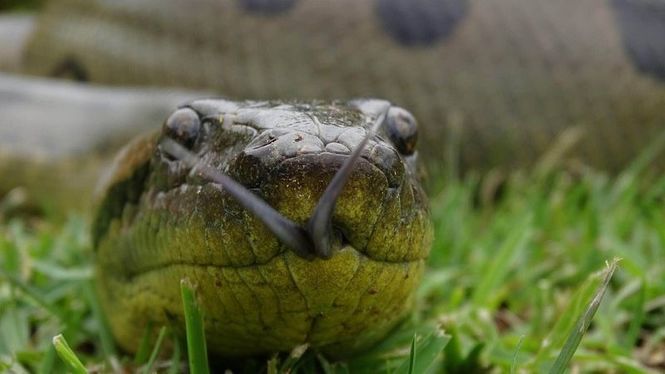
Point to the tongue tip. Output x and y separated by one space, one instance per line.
325 254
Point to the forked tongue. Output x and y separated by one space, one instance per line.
315 238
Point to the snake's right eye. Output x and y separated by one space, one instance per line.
183 126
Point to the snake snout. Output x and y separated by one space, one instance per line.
316 237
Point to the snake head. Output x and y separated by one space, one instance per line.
317 236
301 222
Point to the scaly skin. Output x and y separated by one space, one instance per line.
158 223
493 82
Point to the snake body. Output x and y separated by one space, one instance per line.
494 83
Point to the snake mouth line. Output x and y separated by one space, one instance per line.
282 254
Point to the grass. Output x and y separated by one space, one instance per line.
68 356
520 284
196 344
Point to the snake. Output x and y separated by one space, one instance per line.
493 84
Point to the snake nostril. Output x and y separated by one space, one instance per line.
340 238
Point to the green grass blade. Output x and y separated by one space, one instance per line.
294 357
272 364
648 155
412 355
155 350
14 328
327 367
565 322
105 335
57 273
429 350
48 362
32 294
143 353
575 336
196 342
513 364
175 358
67 355
638 316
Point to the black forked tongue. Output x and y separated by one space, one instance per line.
319 226
315 239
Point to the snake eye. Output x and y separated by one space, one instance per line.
402 130
183 126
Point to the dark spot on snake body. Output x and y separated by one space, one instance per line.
70 68
642 27
420 22
267 6
119 196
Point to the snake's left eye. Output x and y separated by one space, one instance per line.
402 130
183 126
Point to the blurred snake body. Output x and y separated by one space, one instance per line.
494 84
